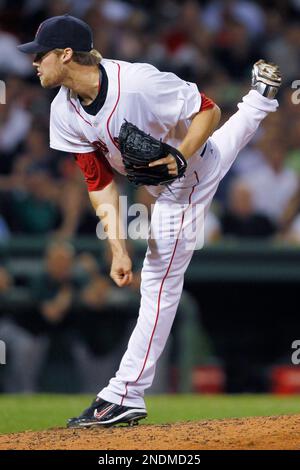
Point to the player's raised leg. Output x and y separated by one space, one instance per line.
255 106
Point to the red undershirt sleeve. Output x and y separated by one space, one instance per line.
206 103
95 168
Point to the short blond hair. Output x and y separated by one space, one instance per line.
91 58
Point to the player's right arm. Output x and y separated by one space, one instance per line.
100 184
104 196
106 205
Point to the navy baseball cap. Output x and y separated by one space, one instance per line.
60 32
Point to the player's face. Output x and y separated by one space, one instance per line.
49 69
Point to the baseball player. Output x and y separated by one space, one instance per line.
94 98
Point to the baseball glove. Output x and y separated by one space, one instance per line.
138 149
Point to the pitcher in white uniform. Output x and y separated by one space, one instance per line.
95 97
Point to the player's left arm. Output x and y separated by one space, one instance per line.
202 126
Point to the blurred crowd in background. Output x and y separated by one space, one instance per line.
213 43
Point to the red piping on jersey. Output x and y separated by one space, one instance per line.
159 295
118 98
79 113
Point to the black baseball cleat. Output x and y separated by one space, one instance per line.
266 78
103 413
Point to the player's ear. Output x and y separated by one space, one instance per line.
67 55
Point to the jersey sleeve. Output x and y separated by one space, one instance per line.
95 168
63 137
206 103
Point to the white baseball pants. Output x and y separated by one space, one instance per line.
170 248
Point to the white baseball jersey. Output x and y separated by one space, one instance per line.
159 103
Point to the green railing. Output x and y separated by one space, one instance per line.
226 261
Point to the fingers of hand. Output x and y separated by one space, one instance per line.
172 167
169 161
125 280
122 279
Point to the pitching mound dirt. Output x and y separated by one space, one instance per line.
276 432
